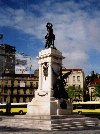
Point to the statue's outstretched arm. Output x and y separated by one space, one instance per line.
66 75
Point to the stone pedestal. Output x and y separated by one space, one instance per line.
44 103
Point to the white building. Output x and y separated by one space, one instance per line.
76 78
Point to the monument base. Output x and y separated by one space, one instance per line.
45 105
42 108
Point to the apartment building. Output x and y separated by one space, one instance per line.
7 59
17 87
76 78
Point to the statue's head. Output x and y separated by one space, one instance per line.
49 25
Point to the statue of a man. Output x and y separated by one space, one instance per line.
50 37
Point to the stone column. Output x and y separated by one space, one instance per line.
50 76
40 76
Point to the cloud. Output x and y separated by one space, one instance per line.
79 59
76 26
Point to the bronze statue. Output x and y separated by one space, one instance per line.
45 69
59 87
50 37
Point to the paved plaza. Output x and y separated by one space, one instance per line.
65 128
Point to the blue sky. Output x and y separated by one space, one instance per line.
76 25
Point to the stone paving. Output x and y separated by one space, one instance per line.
32 131
71 126
57 123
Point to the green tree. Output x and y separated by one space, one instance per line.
74 93
97 90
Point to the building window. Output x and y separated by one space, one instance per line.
18 91
79 86
31 84
73 78
18 84
5 91
5 99
78 78
36 84
5 83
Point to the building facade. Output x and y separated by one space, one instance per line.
76 78
91 88
21 87
90 81
74 83
7 59
17 87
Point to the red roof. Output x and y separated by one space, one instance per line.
73 69
96 81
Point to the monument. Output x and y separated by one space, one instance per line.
50 97
50 109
